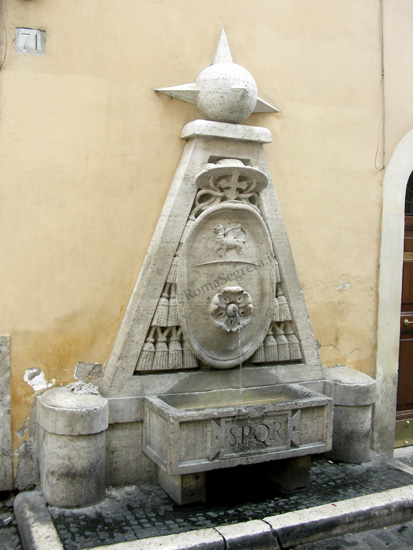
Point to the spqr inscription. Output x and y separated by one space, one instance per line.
254 434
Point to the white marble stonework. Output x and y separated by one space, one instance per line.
240 132
190 433
218 286
215 364
226 270
151 323
72 423
217 310
224 91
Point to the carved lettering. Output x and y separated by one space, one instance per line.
233 436
206 287
243 436
246 432
278 430
261 433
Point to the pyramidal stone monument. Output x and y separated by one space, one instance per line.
215 364
218 286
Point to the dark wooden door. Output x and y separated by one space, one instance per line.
405 378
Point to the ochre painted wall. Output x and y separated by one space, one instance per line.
88 151
398 71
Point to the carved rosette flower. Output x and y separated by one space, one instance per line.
231 308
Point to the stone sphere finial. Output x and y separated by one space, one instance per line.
227 93
224 91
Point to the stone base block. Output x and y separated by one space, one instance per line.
183 489
289 475
126 464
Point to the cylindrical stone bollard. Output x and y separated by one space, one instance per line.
71 440
353 393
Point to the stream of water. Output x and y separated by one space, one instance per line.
240 354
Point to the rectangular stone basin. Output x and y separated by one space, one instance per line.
195 432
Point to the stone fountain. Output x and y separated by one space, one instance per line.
215 364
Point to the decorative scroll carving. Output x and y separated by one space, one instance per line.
229 180
216 193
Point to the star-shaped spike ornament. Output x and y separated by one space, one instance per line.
224 91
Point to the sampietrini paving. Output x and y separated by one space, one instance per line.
341 499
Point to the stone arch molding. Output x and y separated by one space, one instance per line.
390 283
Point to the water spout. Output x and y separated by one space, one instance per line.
237 315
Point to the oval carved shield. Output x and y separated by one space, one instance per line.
226 284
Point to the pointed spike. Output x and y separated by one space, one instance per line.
238 91
186 92
264 107
222 53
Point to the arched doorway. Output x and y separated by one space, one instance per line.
395 182
404 408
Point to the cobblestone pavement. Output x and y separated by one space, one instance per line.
9 535
138 512
406 459
397 537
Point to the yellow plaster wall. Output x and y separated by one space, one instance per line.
88 150
398 71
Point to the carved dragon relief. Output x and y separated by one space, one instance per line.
165 347
232 237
